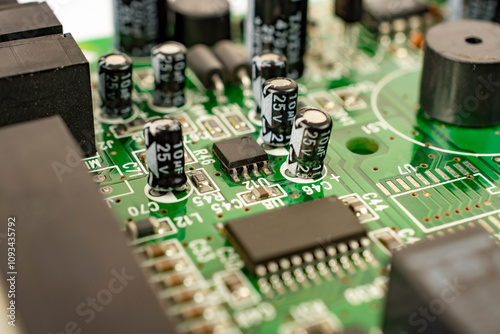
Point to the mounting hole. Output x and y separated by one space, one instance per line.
473 40
362 146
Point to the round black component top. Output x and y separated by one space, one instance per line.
200 21
461 74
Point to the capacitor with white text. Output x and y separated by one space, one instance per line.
279 107
165 154
115 85
169 69
139 25
264 67
309 143
278 26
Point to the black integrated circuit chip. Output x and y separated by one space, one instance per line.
436 286
378 11
70 247
276 240
241 155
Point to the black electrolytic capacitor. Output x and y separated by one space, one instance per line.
169 68
115 84
206 66
278 26
349 10
309 143
279 107
236 63
264 67
485 10
139 25
200 21
165 154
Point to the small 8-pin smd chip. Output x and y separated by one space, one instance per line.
280 239
240 156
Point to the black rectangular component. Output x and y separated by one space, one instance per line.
238 152
349 10
378 11
450 285
293 230
70 251
45 76
241 155
20 21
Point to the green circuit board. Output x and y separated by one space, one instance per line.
417 179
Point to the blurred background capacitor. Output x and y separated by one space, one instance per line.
278 26
235 61
264 67
279 106
169 68
200 21
165 154
139 25
309 143
486 10
350 11
207 67
115 85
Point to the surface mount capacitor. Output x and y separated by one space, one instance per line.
139 25
279 107
115 85
200 21
264 67
169 68
278 26
309 143
165 154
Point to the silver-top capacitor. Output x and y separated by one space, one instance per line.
115 84
264 67
309 144
279 107
165 154
169 68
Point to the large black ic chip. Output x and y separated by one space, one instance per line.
379 11
293 231
69 246
450 285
